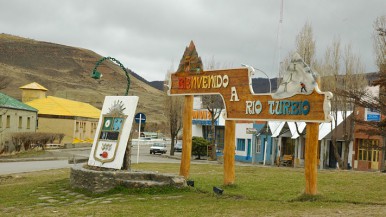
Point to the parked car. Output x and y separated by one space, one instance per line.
178 146
158 148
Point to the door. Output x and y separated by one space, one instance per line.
374 159
249 147
258 149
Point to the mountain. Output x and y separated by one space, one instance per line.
156 84
65 72
261 85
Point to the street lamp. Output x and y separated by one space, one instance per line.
97 75
253 69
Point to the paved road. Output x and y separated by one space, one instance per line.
31 166
62 156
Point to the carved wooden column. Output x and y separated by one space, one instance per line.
187 137
229 152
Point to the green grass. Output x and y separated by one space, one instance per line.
24 154
258 191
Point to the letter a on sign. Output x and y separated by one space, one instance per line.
234 96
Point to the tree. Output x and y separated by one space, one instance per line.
305 47
173 112
199 146
366 99
214 104
342 72
305 44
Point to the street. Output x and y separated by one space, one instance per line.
65 154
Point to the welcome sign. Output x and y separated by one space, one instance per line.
113 131
235 87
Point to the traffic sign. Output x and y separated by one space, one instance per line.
141 116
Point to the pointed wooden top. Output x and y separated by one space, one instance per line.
192 46
190 61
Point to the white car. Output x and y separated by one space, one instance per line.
178 146
158 148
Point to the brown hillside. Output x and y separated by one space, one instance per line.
65 72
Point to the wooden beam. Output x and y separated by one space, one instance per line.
229 152
311 158
187 137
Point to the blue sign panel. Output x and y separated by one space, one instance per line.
204 122
141 116
372 115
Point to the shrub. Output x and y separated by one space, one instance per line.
26 139
199 146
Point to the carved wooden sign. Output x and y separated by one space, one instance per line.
297 98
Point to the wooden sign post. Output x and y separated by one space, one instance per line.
298 98
311 158
229 152
187 136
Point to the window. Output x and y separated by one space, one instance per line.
258 144
20 122
220 137
240 145
8 121
28 122
84 127
93 127
368 150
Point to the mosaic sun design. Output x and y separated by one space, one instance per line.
116 108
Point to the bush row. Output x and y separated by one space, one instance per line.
30 140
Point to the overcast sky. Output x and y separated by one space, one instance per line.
150 36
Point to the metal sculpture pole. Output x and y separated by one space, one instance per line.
97 75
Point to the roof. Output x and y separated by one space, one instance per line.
276 127
64 107
33 86
326 128
292 126
12 103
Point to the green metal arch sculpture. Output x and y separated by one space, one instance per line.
97 75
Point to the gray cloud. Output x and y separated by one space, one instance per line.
148 36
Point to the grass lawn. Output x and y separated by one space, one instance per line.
259 191
24 154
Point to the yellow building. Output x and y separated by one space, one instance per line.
32 91
76 120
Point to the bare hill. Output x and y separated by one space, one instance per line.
65 72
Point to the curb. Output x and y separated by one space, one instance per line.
33 159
